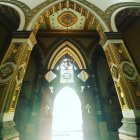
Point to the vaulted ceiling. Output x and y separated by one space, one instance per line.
74 18
67 19
68 14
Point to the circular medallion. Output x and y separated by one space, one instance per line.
6 71
67 19
128 70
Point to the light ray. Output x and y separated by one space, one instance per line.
67 116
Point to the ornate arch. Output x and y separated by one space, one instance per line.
115 9
67 48
89 13
20 12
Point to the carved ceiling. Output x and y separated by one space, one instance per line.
103 9
68 15
51 7
102 4
67 19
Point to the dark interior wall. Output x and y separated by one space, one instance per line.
29 78
132 40
9 22
5 37
103 74
108 97
25 105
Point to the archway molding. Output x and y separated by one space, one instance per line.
20 12
90 15
57 42
114 14
67 48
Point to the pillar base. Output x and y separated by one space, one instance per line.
130 130
125 137
8 132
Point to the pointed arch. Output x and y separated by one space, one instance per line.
67 48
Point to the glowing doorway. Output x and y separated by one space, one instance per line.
67 116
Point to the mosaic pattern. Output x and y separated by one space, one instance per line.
67 19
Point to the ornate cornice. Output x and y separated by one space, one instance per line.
113 35
29 35
72 33
21 34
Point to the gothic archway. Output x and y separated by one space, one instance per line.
67 48
68 68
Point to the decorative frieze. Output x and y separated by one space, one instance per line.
124 73
13 68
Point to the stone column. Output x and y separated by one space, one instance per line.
127 83
12 70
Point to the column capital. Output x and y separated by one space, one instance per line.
113 35
21 34
25 36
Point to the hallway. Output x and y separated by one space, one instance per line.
69 69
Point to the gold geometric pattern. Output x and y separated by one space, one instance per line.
67 19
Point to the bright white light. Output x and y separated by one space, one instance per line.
67 116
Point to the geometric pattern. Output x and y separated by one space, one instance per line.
50 76
83 75
67 19
128 70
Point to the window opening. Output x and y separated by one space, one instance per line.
66 67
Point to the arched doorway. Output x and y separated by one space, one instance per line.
66 111
67 116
